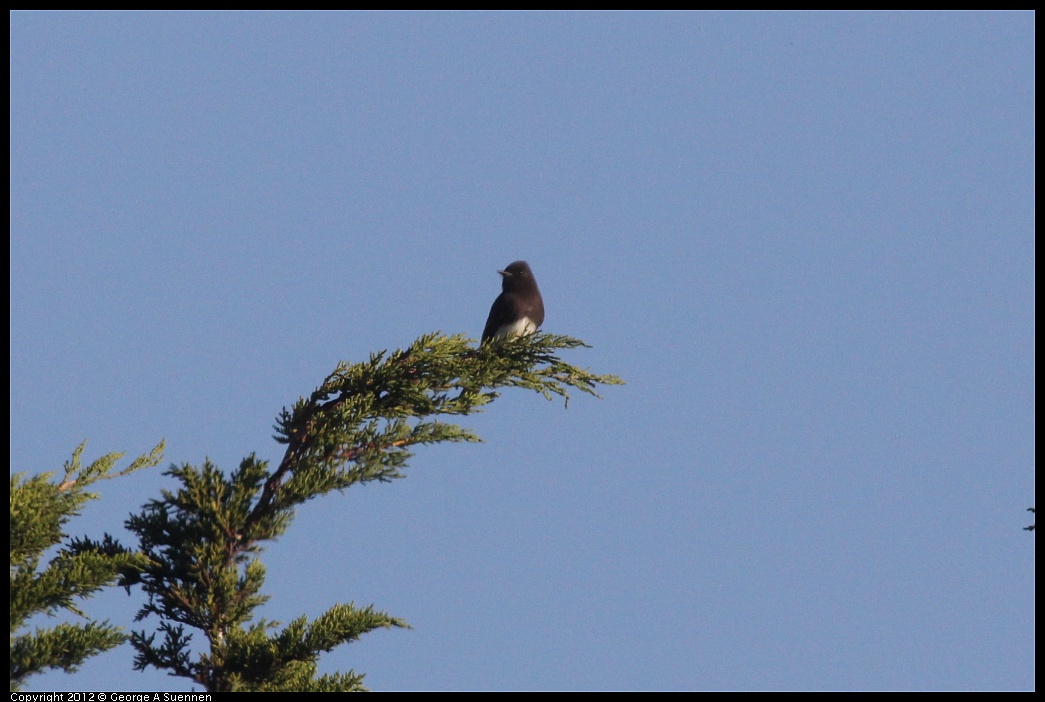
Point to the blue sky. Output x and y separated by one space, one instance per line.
806 241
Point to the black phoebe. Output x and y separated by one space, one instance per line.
519 308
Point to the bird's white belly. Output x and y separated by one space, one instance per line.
523 325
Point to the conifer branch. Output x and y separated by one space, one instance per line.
358 426
40 510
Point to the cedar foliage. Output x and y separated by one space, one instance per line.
203 539
40 509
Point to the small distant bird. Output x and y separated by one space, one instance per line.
519 308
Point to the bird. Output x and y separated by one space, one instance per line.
519 309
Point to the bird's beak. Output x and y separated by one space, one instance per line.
504 274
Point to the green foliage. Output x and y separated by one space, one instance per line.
40 509
358 426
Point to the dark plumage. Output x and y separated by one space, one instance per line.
519 308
